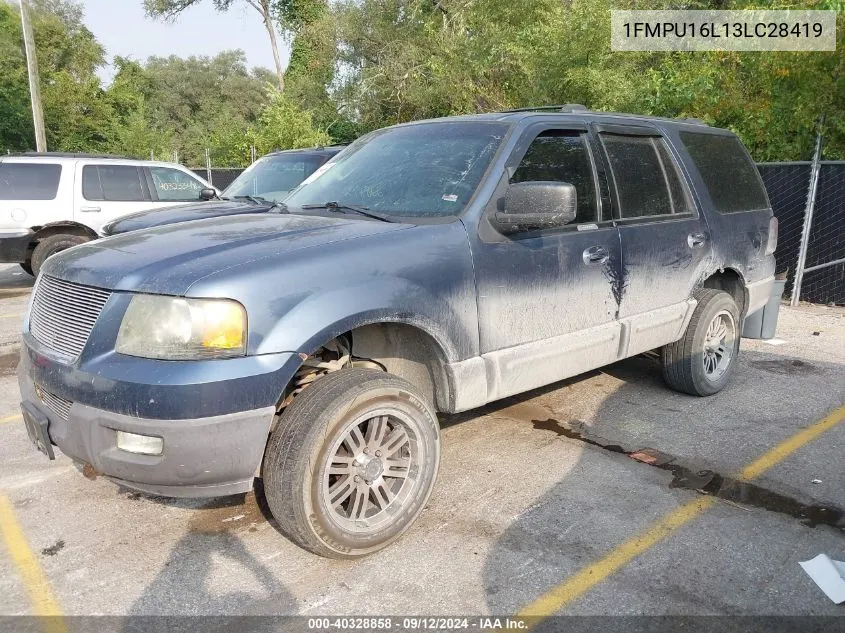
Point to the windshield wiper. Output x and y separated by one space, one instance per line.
252 199
279 207
341 207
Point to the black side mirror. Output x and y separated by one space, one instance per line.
532 206
208 194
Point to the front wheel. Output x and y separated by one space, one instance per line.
52 244
701 363
351 463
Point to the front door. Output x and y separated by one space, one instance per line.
666 243
546 298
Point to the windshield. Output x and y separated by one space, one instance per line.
427 169
273 177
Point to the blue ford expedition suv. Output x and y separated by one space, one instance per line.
431 267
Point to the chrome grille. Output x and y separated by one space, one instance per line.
63 314
57 404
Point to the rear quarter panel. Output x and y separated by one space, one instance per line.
739 239
28 214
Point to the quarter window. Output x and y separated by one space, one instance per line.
116 183
731 177
173 185
647 180
562 156
29 181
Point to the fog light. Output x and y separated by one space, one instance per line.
141 444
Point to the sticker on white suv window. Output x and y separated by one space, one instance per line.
450 198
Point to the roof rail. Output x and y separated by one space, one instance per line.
569 107
71 155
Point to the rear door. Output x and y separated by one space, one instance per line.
666 243
107 191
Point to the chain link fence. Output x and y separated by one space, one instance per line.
220 178
788 185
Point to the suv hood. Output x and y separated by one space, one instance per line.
169 259
183 213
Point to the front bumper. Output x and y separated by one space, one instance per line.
214 416
202 457
14 245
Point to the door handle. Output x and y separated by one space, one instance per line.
595 255
90 209
696 240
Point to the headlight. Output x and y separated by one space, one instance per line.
174 328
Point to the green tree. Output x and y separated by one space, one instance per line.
76 113
170 10
16 131
284 125
187 105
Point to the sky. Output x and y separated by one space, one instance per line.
123 28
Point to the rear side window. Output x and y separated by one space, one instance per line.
727 170
646 177
115 183
562 156
29 181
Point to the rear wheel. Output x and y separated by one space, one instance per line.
701 362
352 462
52 244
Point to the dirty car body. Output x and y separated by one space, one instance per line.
465 294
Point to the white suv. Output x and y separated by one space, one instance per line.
50 202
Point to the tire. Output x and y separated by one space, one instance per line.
317 509
27 267
52 244
694 364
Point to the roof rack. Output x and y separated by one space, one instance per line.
569 107
577 107
71 155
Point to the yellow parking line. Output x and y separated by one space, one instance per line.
577 585
789 446
11 316
10 418
37 586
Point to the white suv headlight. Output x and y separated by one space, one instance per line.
175 328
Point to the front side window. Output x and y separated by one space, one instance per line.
646 177
727 170
173 185
418 170
562 156
114 183
274 177
29 181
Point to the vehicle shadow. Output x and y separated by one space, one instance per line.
607 497
13 277
211 572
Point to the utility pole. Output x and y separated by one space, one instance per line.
34 83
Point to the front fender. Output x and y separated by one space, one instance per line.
420 276
320 318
